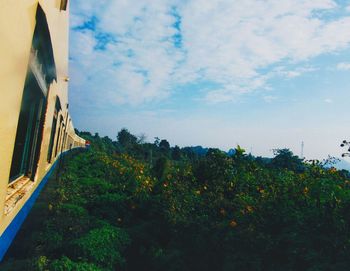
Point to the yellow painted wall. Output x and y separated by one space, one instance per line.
17 23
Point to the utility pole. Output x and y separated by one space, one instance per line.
302 150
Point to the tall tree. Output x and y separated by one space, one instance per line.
126 139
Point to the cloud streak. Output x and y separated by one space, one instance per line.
343 66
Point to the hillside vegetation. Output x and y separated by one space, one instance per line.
130 205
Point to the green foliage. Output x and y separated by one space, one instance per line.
176 153
239 151
103 246
126 139
160 168
284 158
130 205
66 264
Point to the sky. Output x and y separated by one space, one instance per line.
263 74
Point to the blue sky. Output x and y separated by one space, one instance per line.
262 74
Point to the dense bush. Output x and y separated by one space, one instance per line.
114 208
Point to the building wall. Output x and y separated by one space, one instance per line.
17 24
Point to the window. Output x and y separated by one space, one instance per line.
29 131
59 136
63 5
53 129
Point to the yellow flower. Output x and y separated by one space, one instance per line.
250 209
233 223
333 170
222 211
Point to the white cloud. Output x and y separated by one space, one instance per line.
291 73
328 101
222 41
343 66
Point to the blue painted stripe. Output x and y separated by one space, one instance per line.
10 233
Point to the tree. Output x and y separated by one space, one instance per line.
164 147
126 139
284 158
141 138
164 144
160 167
176 153
156 141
